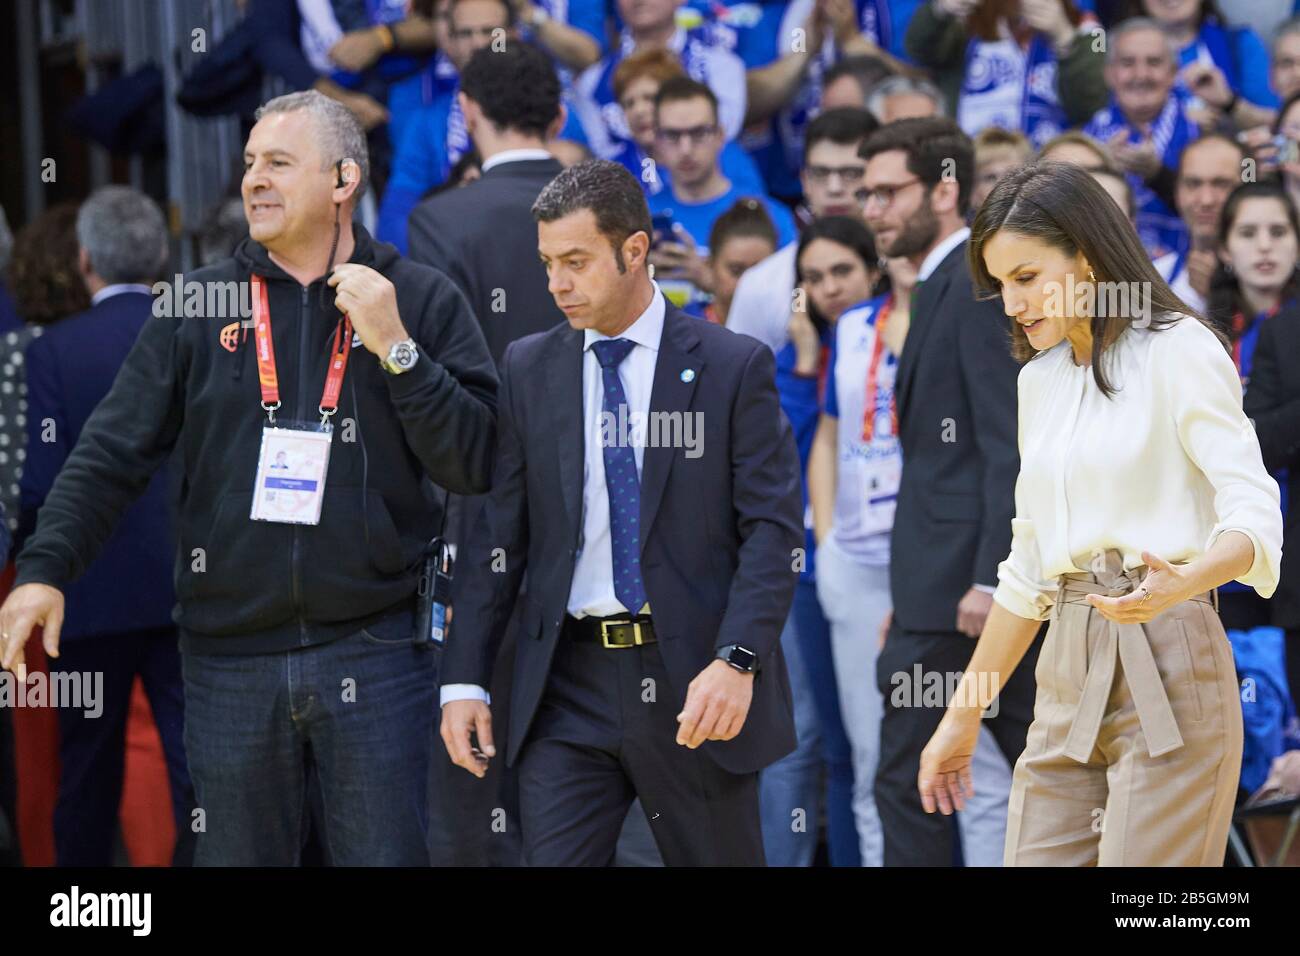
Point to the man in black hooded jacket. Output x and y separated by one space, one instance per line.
296 572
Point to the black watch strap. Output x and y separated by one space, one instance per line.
739 657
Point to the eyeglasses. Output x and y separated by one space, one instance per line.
883 195
848 175
696 134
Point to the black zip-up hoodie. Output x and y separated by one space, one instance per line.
245 586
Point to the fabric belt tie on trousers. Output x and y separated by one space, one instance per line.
1128 642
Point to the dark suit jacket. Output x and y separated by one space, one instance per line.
484 237
1273 401
69 370
956 394
718 531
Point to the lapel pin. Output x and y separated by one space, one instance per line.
688 375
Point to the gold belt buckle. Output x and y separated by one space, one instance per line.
605 627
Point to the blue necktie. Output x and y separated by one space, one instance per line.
621 481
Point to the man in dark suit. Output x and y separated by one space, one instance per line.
648 483
956 398
118 620
1272 401
482 235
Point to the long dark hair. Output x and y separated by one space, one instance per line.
1063 206
847 231
1226 300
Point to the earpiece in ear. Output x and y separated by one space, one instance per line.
340 182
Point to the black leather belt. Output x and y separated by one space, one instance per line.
615 631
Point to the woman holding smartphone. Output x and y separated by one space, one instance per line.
1141 490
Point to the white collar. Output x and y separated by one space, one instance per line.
646 330
118 288
940 252
514 156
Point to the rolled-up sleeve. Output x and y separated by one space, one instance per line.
1204 393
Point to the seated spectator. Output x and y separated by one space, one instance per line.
1287 159
1259 252
832 177
901 97
1116 185
1273 403
997 152
1207 172
1035 68
741 237
704 54
1225 105
436 139
1146 126
689 140
786 88
850 81
1259 123
1078 148
1204 43
573 34
874 27
636 84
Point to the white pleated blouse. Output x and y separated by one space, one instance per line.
1165 465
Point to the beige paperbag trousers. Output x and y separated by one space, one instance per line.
1134 753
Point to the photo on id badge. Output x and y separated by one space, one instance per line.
291 471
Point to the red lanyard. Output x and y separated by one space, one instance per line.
329 401
869 399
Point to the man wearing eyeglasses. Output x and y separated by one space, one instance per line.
688 141
956 404
831 176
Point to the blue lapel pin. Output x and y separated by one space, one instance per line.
688 375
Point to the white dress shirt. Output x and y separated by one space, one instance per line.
940 252
1166 465
592 590
514 156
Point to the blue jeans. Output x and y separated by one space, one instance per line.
814 633
790 790
361 709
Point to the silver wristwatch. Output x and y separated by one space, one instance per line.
401 357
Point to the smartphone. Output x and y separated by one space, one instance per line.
662 224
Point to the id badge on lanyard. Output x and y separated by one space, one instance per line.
295 455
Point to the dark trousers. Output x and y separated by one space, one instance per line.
92 742
604 733
358 712
912 836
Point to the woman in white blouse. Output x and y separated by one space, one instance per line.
1141 490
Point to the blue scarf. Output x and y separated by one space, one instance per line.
1040 114
1158 226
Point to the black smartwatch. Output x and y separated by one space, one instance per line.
741 658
